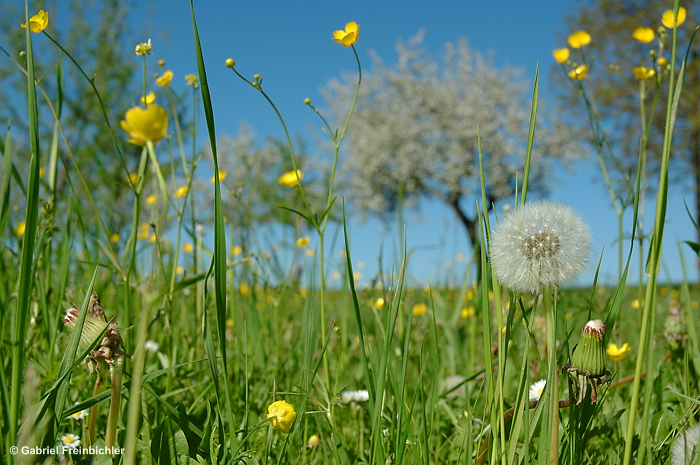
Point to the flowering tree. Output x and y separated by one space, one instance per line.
414 132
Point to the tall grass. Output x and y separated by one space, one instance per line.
447 371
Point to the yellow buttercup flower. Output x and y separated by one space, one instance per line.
133 177
642 72
164 79
21 228
644 34
617 354
289 179
303 241
637 304
38 22
187 248
149 100
578 39
146 124
237 250
309 252
579 72
143 232
561 54
115 238
662 61
151 199
349 35
467 312
222 176
379 303
357 276
281 415
243 289
179 270
668 17
420 309
181 191
153 238
191 79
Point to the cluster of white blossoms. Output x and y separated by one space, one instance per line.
541 244
354 396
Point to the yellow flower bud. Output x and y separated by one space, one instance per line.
281 415
230 62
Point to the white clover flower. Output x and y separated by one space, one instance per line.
70 442
538 245
151 346
536 389
354 396
685 448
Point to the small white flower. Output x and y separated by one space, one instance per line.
70 442
151 346
538 245
537 388
685 448
79 415
354 396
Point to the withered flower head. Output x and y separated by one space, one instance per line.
109 348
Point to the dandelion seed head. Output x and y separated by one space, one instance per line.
685 448
540 244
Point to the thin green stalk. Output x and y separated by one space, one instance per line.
132 425
115 403
31 220
656 247
552 378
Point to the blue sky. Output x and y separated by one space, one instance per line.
290 44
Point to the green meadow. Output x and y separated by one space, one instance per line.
182 337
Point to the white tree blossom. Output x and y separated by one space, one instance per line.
415 128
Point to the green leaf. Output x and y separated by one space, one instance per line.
695 246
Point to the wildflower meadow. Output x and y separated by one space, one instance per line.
208 309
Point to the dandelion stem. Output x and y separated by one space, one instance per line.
115 403
552 379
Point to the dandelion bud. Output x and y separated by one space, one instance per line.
307 101
589 356
230 63
588 362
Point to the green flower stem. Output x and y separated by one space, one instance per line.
161 184
257 86
92 425
115 403
654 254
132 425
178 131
552 378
